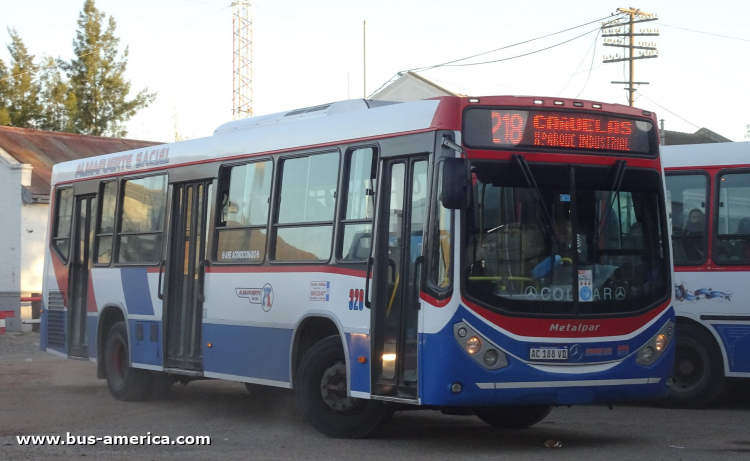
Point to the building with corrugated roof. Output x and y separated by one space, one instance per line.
26 160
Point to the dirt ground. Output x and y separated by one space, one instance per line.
41 394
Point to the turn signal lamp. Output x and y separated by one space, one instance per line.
661 342
473 345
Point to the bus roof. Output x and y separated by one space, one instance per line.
333 123
707 155
325 125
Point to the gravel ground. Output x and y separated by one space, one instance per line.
41 394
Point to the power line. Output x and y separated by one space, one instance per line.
519 55
691 123
579 65
590 66
707 33
417 69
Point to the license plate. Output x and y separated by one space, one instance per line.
548 353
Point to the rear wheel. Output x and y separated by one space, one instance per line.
514 417
125 383
698 373
321 394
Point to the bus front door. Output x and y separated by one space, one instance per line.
185 266
397 269
80 267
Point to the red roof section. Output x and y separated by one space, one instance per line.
43 149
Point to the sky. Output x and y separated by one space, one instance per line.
308 53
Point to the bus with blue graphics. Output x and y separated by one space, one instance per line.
708 202
496 255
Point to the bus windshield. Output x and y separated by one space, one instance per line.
572 240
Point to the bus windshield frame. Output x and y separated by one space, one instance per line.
574 196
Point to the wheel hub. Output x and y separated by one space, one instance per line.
333 388
689 370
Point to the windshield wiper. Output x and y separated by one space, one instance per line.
548 227
620 167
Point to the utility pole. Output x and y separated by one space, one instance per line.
624 28
242 59
364 58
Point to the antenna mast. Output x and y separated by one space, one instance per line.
242 60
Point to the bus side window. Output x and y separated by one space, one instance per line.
304 227
733 233
63 219
441 258
106 226
687 202
361 169
243 213
142 222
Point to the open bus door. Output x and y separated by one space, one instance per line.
184 275
84 217
397 269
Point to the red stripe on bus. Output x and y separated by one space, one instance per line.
262 269
61 275
522 326
432 301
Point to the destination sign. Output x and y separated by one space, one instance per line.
513 129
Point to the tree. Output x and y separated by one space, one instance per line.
19 90
97 77
4 76
59 101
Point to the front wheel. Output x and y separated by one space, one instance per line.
321 395
514 417
125 383
698 373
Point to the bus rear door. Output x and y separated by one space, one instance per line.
84 216
185 269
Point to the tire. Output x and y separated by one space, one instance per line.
513 417
328 409
698 373
161 385
125 383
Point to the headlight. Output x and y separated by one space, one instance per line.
473 345
483 351
647 355
490 357
661 342
656 346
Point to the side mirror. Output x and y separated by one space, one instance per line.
455 185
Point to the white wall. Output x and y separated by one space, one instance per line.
11 174
34 219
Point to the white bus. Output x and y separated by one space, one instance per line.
708 194
501 254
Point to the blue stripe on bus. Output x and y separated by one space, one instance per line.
253 352
92 323
736 339
136 290
145 350
359 346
